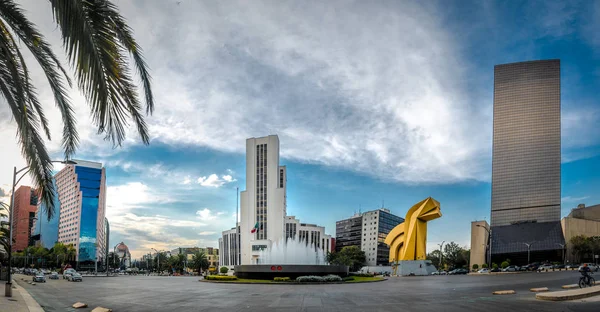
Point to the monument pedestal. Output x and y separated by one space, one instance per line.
415 267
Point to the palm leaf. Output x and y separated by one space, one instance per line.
41 51
14 86
95 45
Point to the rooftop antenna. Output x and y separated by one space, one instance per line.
382 203
359 209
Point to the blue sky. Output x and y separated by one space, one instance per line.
388 101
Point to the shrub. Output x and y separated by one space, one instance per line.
504 264
475 266
348 278
224 269
332 278
494 266
221 278
309 278
282 279
484 266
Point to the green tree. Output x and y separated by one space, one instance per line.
350 256
224 269
494 266
454 255
97 41
435 258
475 266
504 264
200 262
176 262
4 231
484 266
580 246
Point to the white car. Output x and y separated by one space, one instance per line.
482 271
511 268
545 267
68 272
592 267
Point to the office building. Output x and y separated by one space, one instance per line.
582 221
45 231
479 243
368 231
311 234
25 207
526 161
106 237
263 203
82 194
230 247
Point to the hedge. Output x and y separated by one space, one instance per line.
224 269
221 278
282 279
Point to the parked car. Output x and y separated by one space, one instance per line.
511 268
573 266
75 277
533 266
545 267
495 270
68 272
484 271
39 278
53 275
559 266
592 267
460 271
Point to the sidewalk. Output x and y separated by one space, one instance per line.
578 293
21 301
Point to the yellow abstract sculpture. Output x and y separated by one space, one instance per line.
408 240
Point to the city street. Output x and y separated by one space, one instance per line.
432 293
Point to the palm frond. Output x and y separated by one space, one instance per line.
13 87
40 49
95 46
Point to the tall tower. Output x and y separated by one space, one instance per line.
526 148
263 203
25 206
525 216
82 195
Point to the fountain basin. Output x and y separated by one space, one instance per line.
270 271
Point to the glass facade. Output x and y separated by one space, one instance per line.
526 143
348 233
48 229
90 180
387 222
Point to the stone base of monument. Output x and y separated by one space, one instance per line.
415 267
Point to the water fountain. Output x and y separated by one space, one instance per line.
291 258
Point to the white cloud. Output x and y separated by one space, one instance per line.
204 233
570 199
205 214
213 180
186 180
123 198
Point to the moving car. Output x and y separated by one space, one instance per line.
39 278
75 277
484 271
53 275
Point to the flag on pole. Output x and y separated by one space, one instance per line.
255 228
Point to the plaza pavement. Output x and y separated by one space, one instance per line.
430 293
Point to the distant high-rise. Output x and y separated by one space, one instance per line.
526 147
82 194
46 230
525 216
263 203
25 206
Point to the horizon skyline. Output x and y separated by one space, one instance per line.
374 102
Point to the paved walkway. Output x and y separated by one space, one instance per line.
21 301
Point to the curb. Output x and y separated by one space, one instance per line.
541 289
32 305
293 283
570 286
569 294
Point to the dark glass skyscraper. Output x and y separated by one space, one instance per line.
526 148
46 231
526 160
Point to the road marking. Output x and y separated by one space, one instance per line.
539 289
504 292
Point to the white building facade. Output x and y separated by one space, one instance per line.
263 203
310 233
229 245
81 191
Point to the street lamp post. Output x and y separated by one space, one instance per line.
489 231
25 170
528 251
